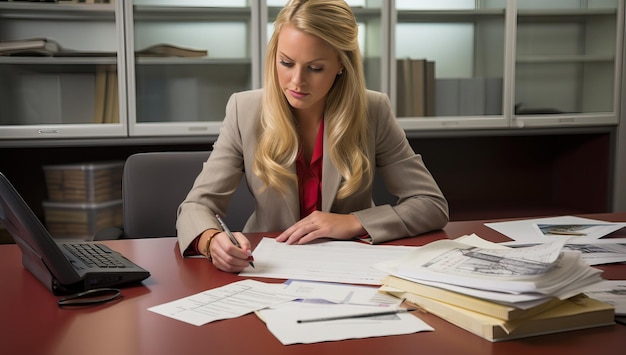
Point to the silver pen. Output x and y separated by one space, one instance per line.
358 315
233 239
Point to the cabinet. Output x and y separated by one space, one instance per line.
512 64
63 95
187 95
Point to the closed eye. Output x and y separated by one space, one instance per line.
312 69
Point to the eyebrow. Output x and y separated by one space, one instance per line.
309 62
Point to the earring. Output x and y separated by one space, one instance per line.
340 72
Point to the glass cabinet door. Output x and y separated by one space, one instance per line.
61 70
370 15
567 58
187 58
449 63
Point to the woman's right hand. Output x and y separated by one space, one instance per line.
224 254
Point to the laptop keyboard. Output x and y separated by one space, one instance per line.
93 255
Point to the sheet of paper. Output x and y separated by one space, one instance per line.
527 230
579 230
282 319
229 301
311 291
596 252
612 292
331 261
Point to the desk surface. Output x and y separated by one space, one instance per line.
33 324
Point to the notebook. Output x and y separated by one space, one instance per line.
60 265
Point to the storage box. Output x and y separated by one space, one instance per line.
81 220
92 182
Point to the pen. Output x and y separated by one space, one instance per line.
566 233
233 239
359 315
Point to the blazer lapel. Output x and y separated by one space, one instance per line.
330 177
292 198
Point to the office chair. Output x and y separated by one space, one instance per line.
155 183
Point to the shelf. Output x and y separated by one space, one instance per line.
361 13
48 11
565 59
190 13
15 60
192 61
435 16
562 14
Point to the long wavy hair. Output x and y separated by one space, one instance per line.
346 103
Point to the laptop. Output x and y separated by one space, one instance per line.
64 267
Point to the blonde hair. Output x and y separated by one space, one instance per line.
346 103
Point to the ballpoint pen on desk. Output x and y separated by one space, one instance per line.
233 239
358 315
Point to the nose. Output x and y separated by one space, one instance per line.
299 76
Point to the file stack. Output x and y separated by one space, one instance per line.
500 293
83 199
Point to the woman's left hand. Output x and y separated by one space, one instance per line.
322 225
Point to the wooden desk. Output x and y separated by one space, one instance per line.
31 322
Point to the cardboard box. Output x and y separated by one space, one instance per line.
81 220
91 182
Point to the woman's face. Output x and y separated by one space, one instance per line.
307 67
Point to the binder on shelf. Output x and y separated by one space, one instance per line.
447 97
493 96
31 46
472 96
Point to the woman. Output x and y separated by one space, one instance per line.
308 144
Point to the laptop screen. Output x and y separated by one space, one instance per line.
37 245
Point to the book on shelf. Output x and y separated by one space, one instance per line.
502 311
418 80
404 102
45 47
430 88
106 107
415 87
100 84
111 113
31 46
170 50
578 312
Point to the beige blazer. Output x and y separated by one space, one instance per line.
421 206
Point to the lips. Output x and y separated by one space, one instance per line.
297 95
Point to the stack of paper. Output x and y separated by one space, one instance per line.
498 292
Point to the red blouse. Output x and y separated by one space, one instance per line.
310 176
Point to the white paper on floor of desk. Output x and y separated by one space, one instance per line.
527 230
331 261
313 291
282 319
229 301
